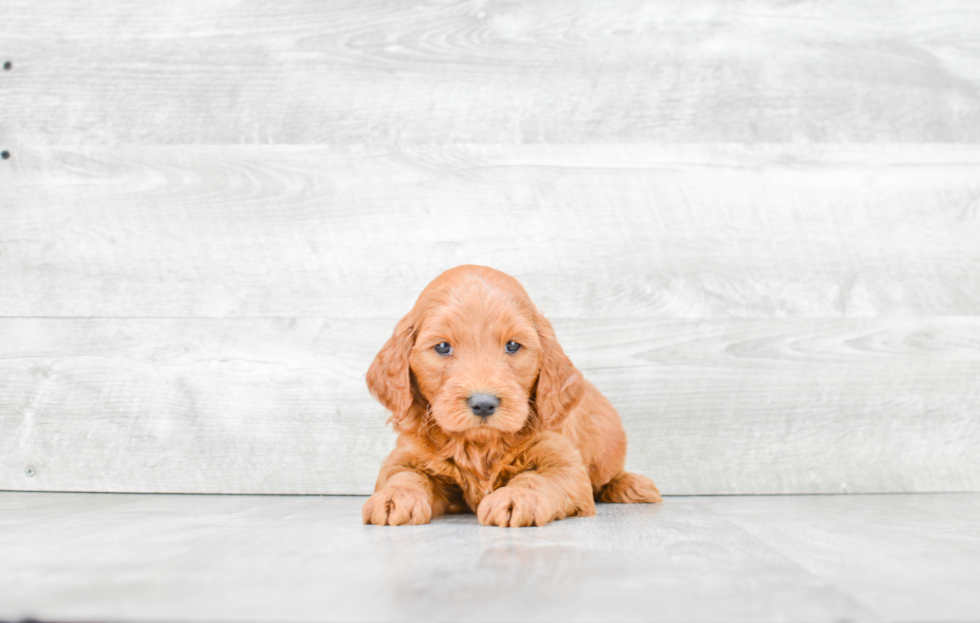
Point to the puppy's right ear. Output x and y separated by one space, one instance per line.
389 377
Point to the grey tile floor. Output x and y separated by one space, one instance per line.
121 557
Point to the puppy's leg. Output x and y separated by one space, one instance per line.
555 485
627 488
403 495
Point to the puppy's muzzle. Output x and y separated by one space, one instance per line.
483 405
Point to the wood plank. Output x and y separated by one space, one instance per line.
298 559
601 231
850 540
279 405
551 71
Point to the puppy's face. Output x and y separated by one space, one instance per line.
472 356
475 360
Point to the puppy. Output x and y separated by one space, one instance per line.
491 415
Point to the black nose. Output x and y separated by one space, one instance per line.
483 404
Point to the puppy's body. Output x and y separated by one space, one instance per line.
491 414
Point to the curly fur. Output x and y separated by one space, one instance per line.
553 447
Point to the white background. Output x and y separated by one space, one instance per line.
755 225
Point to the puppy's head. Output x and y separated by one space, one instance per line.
475 358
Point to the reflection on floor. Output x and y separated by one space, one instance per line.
122 557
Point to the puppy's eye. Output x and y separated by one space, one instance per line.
443 348
512 347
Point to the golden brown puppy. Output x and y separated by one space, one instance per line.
492 416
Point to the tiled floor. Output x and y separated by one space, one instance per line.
99 557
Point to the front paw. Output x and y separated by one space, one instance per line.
397 506
515 508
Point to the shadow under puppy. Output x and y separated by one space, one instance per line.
492 416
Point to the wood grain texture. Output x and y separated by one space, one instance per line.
607 231
931 543
215 211
476 72
280 406
866 558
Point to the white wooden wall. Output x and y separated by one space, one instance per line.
755 224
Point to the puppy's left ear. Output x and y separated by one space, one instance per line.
560 385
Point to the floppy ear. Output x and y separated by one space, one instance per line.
560 384
389 377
